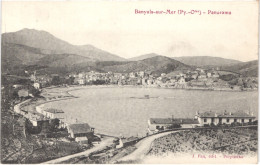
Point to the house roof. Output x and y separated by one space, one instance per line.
52 110
238 114
80 128
173 121
23 93
208 114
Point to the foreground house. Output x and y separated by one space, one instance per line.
155 124
81 132
208 118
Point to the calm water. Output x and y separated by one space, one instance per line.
114 111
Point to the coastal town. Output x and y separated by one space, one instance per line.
208 79
106 83
36 120
24 97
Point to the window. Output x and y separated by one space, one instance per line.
227 120
205 120
235 120
243 120
250 120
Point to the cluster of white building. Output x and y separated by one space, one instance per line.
40 115
143 78
200 120
80 131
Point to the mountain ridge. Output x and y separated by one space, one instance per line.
155 65
142 57
30 47
50 44
247 69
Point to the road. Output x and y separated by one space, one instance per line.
102 145
143 147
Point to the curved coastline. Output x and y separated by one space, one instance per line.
81 90
75 88
65 93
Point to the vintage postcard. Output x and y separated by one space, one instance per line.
129 82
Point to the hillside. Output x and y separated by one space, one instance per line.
205 61
247 69
49 44
41 50
62 60
155 65
16 55
142 57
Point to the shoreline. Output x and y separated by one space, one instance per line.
57 93
60 91
75 88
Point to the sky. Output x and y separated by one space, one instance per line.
114 27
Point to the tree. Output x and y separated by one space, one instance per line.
34 92
55 80
31 129
54 124
70 80
212 125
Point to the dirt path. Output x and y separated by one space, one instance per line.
143 148
102 145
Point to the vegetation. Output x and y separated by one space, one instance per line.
246 69
226 140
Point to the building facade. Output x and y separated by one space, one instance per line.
54 113
156 124
208 118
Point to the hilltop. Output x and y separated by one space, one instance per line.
155 65
142 57
193 60
29 48
49 44
205 61
247 69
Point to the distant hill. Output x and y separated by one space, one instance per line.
193 60
62 60
49 44
247 69
205 61
14 55
40 50
142 57
155 65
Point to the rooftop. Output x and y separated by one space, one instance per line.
226 114
80 128
173 121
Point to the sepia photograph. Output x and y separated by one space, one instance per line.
129 82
